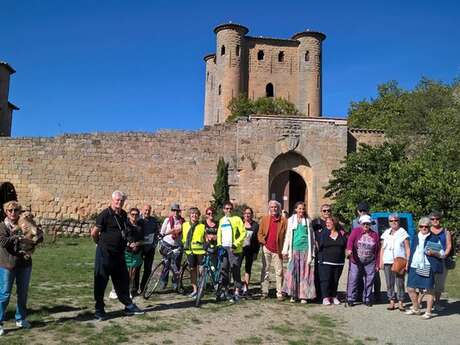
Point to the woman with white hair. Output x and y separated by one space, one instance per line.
394 253
299 245
424 262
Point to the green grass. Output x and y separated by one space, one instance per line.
453 281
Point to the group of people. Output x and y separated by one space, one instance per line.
314 253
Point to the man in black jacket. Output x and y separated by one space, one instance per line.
110 235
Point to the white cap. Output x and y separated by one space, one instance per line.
365 219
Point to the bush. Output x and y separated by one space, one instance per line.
243 107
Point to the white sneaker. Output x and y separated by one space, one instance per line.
336 301
23 324
413 311
113 295
2 331
326 301
292 300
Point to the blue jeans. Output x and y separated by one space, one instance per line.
7 277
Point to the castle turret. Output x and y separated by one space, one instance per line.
209 97
228 74
6 108
310 72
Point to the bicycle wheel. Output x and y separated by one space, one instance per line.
201 286
154 280
185 283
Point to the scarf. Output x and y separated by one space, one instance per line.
419 260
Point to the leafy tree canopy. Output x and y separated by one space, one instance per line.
242 106
418 168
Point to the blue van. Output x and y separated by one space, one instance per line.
406 221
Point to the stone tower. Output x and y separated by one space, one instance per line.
6 108
263 67
310 76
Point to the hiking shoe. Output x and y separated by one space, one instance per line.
336 301
23 324
133 309
113 295
100 315
326 301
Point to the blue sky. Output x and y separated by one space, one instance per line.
104 66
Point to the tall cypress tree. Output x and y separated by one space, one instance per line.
221 189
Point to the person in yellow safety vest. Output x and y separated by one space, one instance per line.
230 237
193 238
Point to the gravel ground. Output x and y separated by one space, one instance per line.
394 327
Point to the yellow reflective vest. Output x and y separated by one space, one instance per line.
238 233
196 245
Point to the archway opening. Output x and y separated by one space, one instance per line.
7 193
290 180
288 188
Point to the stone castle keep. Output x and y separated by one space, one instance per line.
262 67
280 157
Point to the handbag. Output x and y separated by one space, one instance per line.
399 265
450 263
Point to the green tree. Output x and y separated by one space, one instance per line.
418 169
221 188
243 107
364 175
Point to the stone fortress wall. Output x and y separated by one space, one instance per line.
72 176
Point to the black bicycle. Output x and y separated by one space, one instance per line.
210 271
181 275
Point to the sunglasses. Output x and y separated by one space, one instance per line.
366 224
434 218
394 220
328 210
13 210
423 226
209 213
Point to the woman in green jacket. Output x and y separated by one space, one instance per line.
193 238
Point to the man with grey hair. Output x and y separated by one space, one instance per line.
110 235
271 234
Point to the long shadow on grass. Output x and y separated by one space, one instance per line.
54 309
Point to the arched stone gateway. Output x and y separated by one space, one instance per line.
290 180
